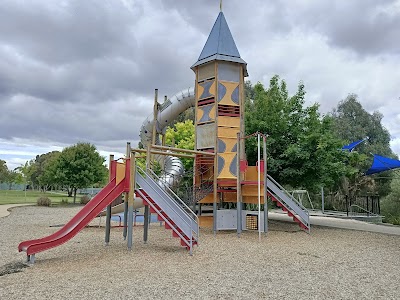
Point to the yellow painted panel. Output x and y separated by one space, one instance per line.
251 174
230 143
200 89
230 87
230 197
229 121
207 199
120 172
225 172
251 190
227 132
252 200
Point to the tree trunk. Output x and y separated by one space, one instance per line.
75 195
69 190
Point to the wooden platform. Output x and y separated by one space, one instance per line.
206 221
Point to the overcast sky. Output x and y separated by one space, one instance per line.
86 70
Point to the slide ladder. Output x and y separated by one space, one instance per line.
288 203
170 209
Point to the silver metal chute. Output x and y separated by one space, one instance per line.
167 113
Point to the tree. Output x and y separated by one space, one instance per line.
351 122
79 166
391 203
301 147
3 171
182 133
36 170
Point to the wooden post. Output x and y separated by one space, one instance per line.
108 211
155 115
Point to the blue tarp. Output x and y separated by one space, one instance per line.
381 164
351 146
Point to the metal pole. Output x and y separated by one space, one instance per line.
347 205
323 200
259 185
125 230
108 211
238 188
131 199
146 223
265 186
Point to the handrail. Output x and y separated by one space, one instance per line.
171 207
363 209
173 193
178 206
288 194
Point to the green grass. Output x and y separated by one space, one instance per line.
16 197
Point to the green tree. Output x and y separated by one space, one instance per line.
390 207
351 122
79 166
301 147
182 134
3 171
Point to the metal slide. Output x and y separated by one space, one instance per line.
167 113
77 223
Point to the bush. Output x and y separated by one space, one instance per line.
85 199
43 201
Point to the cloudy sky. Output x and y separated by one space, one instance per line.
77 70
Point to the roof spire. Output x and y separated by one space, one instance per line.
220 5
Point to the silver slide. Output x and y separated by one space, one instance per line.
167 113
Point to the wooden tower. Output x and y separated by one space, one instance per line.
220 73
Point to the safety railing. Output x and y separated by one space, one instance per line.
175 208
175 197
290 202
356 210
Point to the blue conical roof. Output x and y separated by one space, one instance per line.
220 44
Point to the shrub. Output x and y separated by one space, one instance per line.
43 201
85 199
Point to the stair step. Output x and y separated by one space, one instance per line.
183 243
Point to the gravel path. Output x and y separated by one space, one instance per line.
288 264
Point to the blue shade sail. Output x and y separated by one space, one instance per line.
381 164
351 146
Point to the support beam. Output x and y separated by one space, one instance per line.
108 211
146 223
125 230
238 188
131 198
265 186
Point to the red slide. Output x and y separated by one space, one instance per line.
77 223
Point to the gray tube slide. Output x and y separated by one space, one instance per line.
167 113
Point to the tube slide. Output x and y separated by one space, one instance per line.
77 223
167 113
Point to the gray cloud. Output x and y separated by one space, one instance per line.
86 70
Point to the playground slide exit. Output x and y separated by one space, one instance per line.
77 223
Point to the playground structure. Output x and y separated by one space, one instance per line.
221 174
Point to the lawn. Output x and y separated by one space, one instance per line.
13 197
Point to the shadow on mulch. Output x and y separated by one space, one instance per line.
12 268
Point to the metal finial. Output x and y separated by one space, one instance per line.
220 5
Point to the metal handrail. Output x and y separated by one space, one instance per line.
288 194
171 207
363 209
180 208
175 195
